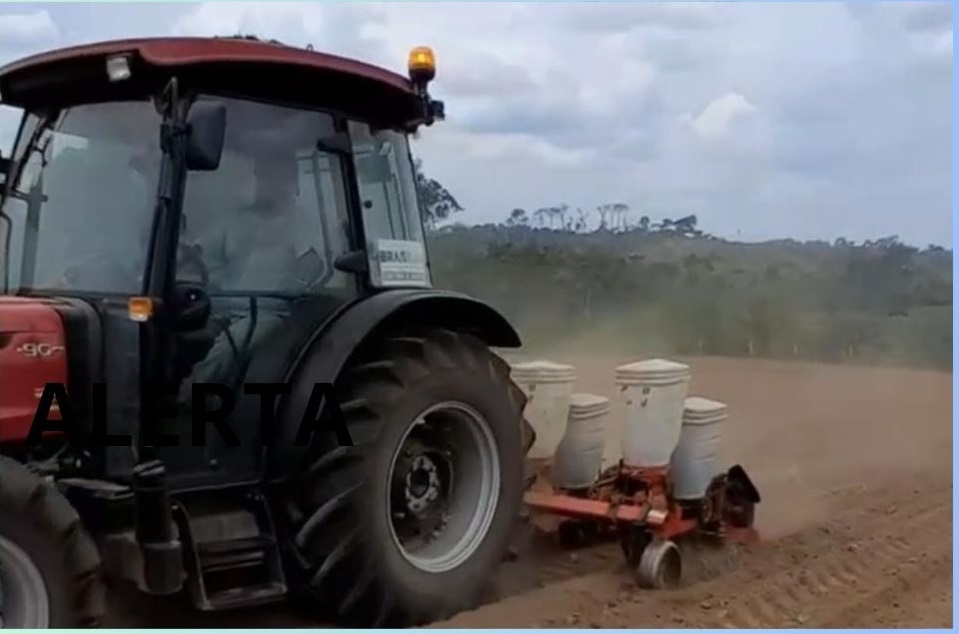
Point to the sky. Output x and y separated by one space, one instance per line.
766 121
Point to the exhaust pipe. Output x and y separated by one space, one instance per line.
156 533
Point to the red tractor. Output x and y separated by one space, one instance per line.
225 371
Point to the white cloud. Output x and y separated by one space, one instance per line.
482 74
622 17
714 121
24 29
941 45
732 111
452 138
229 18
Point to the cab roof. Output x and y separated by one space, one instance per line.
235 66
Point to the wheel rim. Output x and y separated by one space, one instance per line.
670 571
444 487
660 565
24 602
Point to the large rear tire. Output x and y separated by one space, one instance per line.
50 573
438 447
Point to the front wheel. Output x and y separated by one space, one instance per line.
408 525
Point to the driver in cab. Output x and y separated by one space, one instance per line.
257 252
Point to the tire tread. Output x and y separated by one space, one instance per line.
370 385
48 514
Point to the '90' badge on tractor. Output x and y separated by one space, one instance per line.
400 263
41 350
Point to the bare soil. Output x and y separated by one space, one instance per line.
855 469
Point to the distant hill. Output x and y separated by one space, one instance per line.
669 289
602 277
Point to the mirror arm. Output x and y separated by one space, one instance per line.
336 144
353 262
171 135
170 132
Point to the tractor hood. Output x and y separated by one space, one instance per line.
32 353
29 314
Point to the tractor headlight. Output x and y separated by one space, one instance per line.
118 68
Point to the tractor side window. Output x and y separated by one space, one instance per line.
322 189
391 219
272 218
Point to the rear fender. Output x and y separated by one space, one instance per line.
333 344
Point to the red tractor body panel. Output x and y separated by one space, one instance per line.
32 354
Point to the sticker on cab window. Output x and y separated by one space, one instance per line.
401 263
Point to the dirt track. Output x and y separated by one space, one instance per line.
855 468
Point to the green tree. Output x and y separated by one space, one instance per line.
517 218
435 201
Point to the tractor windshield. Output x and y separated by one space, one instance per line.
81 207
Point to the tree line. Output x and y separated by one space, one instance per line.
665 286
613 217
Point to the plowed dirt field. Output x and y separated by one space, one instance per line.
855 469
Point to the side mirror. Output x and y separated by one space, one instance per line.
206 123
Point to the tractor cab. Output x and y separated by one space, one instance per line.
198 193
229 123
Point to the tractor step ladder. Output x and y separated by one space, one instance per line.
235 558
